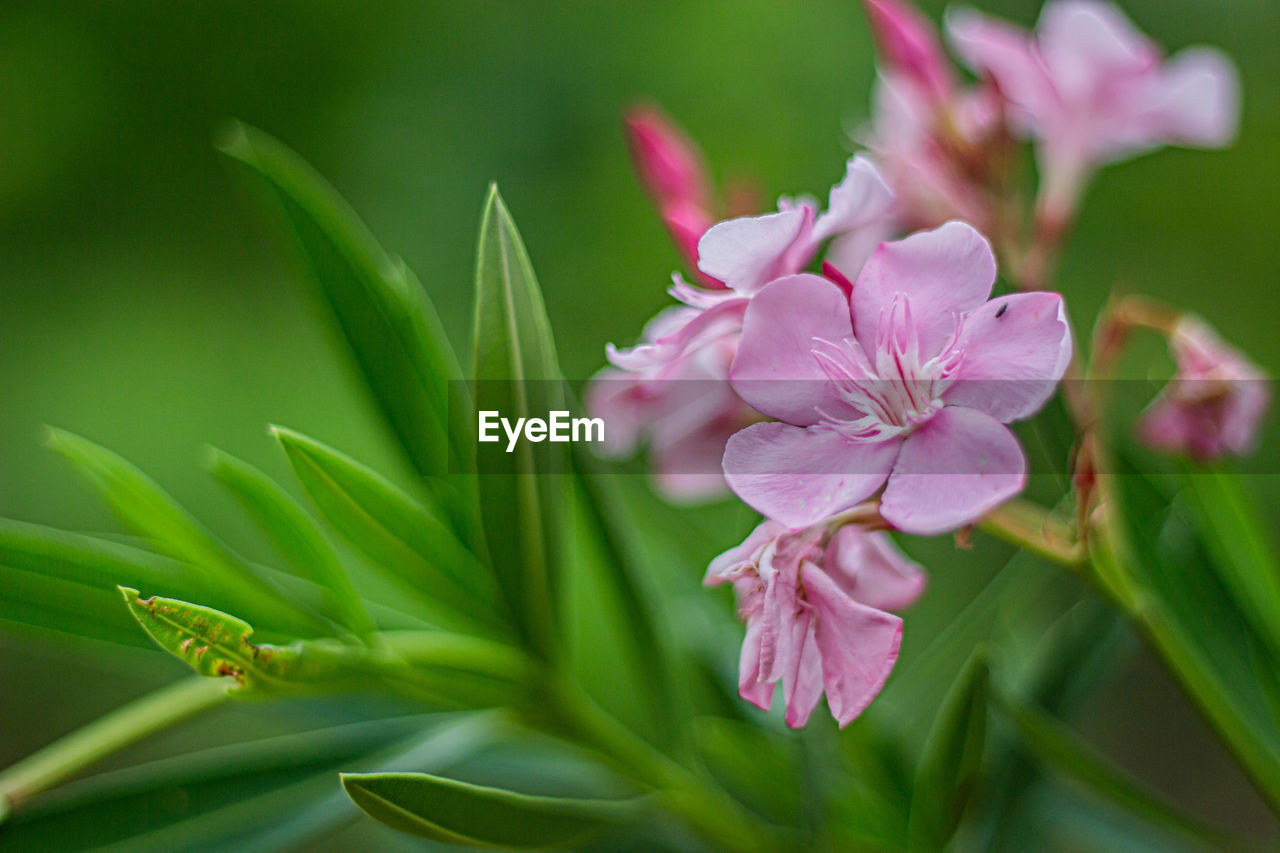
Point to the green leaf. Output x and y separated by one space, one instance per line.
217 644
141 504
1058 747
294 534
759 768
948 774
1149 553
517 375
411 544
1237 542
385 316
454 812
605 612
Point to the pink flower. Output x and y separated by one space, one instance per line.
908 381
672 390
1215 403
813 615
1092 89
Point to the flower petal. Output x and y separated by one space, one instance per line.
799 476
802 686
858 644
1087 44
858 200
1197 102
775 370
750 686
943 272
748 252
871 569
955 467
1016 349
1007 54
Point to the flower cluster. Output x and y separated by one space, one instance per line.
846 368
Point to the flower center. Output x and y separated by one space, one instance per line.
900 390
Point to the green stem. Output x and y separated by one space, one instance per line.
699 802
105 735
1034 528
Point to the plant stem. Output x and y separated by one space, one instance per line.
700 803
1034 528
105 735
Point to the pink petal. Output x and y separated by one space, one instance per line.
799 476
858 200
858 644
1007 54
726 565
802 686
1088 45
1016 348
871 569
943 272
1198 100
953 469
774 369
750 686
749 252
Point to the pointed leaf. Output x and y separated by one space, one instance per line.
1239 547
385 316
454 812
1150 554
217 644
410 543
948 773
140 503
293 532
517 375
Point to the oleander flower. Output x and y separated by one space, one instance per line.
672 389
907 384
1092 89
815 615
1214 404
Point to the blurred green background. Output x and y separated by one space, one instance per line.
145 304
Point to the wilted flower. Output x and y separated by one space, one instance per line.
1214 404
909 380
814 617
1092 89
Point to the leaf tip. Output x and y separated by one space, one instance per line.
232 139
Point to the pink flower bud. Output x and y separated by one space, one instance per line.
909 47
669 164
1213 405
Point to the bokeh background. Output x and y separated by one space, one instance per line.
145 304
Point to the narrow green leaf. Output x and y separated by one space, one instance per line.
1057 747
758 767
948 774
217 644
517 375
410 543
1242 552
385 316
294 534
1152 552
454 812
141 504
